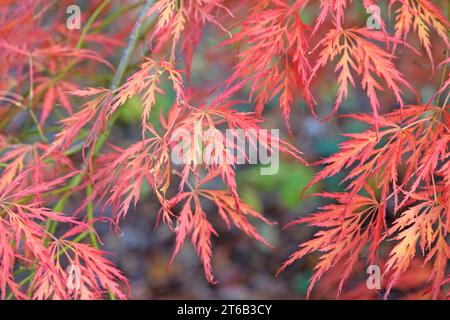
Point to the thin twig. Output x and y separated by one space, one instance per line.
134 36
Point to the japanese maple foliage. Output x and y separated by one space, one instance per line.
62 174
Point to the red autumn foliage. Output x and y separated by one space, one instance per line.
395 192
